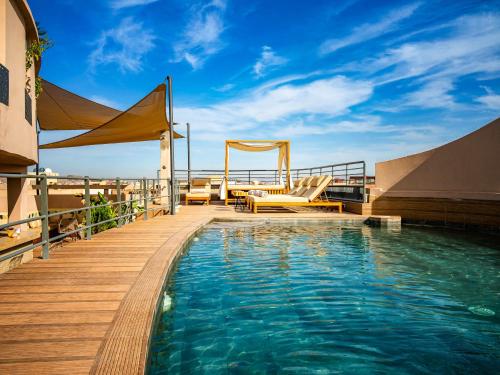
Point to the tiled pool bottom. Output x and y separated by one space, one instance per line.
325 298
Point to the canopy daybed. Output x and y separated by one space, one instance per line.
258 146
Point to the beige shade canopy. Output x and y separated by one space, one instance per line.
59 109
259 146
62 110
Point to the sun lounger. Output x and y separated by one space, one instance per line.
200 190
310 196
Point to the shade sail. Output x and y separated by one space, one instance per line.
144 121
59 109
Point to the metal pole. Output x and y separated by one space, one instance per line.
88 219
37 170
44 208
119 201
189 153
365 200
172 154
145 195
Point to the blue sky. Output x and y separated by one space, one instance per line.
343 80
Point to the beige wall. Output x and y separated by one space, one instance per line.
18 144
18 141
456 184
467 168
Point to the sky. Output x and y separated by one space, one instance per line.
342 80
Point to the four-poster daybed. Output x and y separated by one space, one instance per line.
258 146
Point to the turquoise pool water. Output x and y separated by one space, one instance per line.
326 298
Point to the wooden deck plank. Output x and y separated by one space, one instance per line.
60 297
44 350
51 318
19 289
52 332
76 268
74 367
76 306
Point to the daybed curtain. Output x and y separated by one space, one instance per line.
144 121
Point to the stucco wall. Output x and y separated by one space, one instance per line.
18 144
468 168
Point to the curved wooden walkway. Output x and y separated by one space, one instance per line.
90 307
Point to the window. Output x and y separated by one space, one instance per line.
4 85
27 107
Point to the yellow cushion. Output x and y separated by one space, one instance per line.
279 198
197 195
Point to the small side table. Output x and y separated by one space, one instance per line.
240 199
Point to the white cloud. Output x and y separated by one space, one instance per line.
434 94
369 124
472 48
119 4
329 96
225 88
491 100
201 37
273 104
370 30
126 45
267 61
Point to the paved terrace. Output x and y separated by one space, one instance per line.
90 307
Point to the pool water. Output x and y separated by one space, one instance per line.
322 298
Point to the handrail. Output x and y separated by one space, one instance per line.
148 192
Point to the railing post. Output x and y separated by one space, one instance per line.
44 209
88 234
249 176
141 189
346 182
145 196
310 171
365 200
119 202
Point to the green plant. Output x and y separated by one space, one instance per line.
100 214
34 53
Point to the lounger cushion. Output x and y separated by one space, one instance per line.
200 182
197 195
200 186
317 186
307 181
254 187
198 190
300 191
279 198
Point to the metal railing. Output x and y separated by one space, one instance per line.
348 179
144 195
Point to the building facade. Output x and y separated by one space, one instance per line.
18 132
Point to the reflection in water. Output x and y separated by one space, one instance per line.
330 297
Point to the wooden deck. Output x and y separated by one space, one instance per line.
90 307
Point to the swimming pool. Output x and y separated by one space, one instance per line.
330 297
